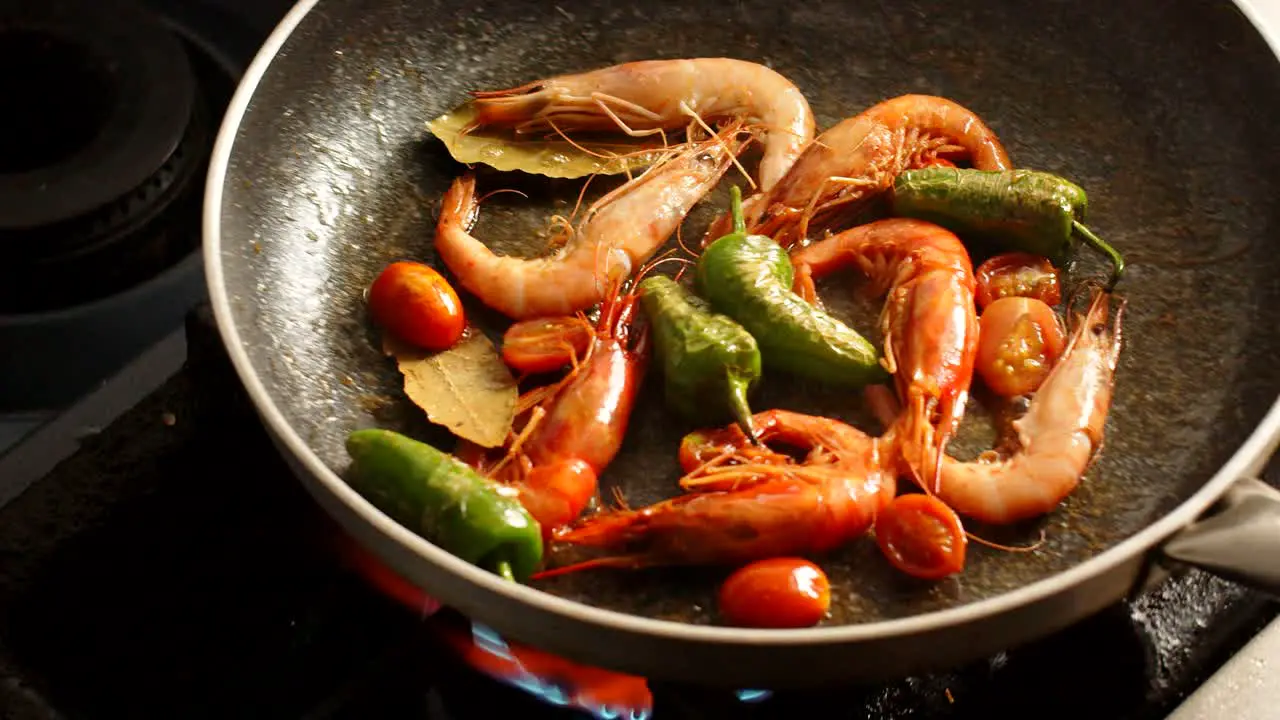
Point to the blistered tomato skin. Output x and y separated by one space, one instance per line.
542 345
416 304
1019 341
777 593
921 536
1017 275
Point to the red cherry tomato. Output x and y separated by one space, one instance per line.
416 304
776 593
1019 340
545 344
1018 275
921 536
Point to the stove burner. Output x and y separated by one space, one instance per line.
108 134
49 126
94 274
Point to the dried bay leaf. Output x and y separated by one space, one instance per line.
555 158
467 388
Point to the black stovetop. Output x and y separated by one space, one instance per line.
163 572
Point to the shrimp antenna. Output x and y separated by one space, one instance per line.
772 128
604 153
514 449
1009 548
499 191
684 263
1089 286
719 139
680 241
620 562
661 259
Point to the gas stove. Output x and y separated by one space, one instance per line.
149 571
156 572
101 182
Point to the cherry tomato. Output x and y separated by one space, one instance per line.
569 486
1017 275
1019 340
921 536
780 592
545 344
416 304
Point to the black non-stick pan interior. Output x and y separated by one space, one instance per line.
1165 115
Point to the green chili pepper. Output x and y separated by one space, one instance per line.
1035 212
748 278
445 501
709 362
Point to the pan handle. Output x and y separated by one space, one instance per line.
1238 539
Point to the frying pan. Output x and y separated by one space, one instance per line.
323 173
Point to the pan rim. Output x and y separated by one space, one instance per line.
1247 459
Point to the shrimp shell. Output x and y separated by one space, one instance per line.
1059 435
859 157
929 322
619 233
648 96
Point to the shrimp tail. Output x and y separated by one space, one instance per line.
459 207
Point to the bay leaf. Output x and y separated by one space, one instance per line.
467 388
555 158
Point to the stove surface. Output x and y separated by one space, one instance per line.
140 269
147 571
158 573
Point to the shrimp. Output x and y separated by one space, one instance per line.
859 157
575 427
703 453
622 230
1058 437
929 321
650 96
765 506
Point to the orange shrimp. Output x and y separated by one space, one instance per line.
620 231
762 505
859 157
1058 437
574 428
704 453
650 96
929 321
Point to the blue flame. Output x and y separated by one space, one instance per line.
487 639
754 696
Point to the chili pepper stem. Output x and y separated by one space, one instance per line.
741 408
503 569
1097 243
735 205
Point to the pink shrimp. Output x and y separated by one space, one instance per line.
929 322
1058 437
859 157
649 96
758 505
620 231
